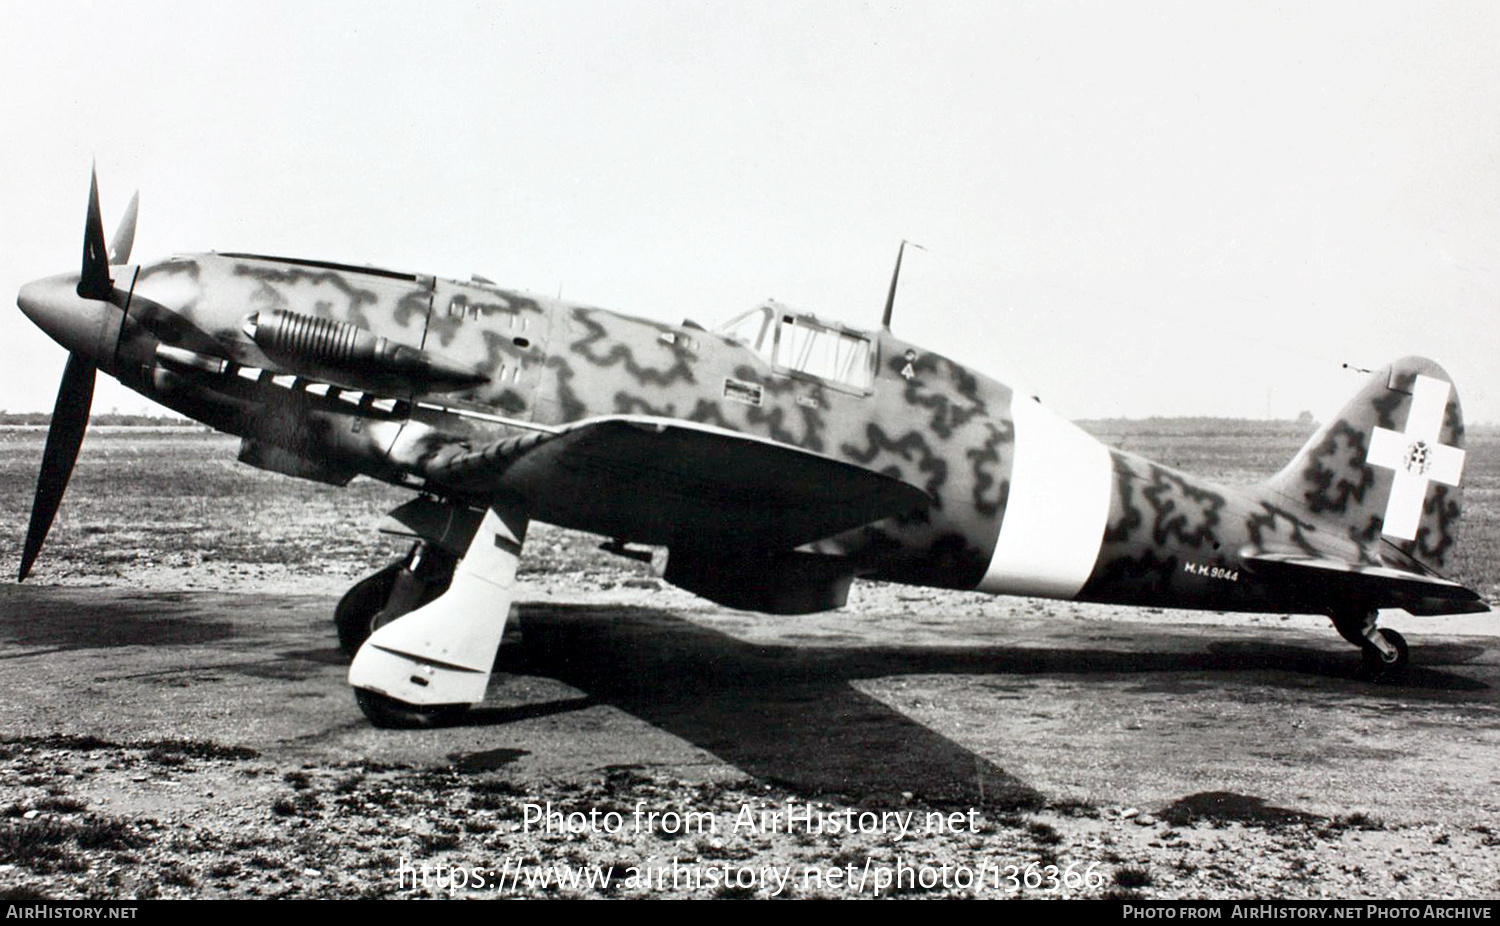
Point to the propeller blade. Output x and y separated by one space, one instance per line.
93 279
124 239
70 418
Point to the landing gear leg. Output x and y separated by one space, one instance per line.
431 665
1384 652
398 589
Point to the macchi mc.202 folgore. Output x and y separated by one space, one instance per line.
776 458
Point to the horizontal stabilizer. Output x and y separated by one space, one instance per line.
677 483
1370 585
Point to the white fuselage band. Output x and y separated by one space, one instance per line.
1055 514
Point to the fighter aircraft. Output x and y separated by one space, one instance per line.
776 457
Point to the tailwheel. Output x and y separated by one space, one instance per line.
1385 662
1383 652
391 714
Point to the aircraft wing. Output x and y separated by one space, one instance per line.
671 482
1381 586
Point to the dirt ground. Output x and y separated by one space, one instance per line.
203 743
175 721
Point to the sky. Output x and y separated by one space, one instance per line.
1131 208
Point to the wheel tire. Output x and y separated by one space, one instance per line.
390 714
1374 663
362 609
357 609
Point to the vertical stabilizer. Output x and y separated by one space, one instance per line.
1387 470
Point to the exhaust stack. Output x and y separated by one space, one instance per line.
353 354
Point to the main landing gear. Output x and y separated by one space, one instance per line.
390 714
1383 651
432 664
400 588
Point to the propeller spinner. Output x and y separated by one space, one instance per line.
80 320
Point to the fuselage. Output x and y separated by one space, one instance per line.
327 371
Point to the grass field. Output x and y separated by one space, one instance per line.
177 498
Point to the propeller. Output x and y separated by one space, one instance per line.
70 414
70 418
124 239
93 279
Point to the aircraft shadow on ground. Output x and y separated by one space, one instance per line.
789 715
64 622
784 713
46 621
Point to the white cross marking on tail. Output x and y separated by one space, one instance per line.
1416 457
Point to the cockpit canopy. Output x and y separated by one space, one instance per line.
801 344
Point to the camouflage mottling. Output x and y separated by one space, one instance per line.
170 268
563 400
1184 514
1338 490
991 462
412 308
458 306
954 448
1385 402
949 392
781 393
1151 504
944 429
1331 478
923 419
882 452
1327 504
325 294
1162 520
1438 533
1272 527
595 347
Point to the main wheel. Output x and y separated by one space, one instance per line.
390 714
1377 664
354 616
400 588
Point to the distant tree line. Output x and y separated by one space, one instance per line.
1302 426
1200 425
109 419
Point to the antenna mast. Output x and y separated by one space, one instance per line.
890 299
